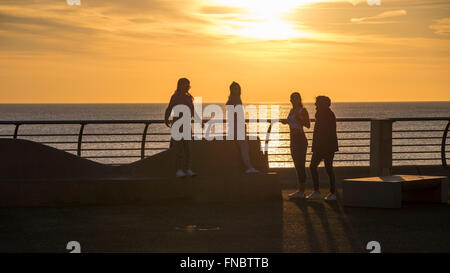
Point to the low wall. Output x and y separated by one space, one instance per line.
32 174
200 189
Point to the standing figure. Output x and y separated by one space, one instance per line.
235 100
297 119
182 147
325 144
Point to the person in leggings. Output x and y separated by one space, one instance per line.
325 144
182 147
235 100
297 119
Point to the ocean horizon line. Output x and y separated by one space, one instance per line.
207 102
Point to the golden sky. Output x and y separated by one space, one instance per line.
113 51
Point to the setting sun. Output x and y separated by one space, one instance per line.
263 19
117 51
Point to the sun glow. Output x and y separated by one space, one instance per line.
263 19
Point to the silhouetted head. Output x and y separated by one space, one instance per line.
323 102
183 85
235 89
296 99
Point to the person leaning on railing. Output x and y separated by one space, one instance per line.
182 147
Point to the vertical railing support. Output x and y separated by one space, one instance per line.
380 147
444 140
16 130
266 143
144 139
80 139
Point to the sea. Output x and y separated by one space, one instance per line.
422 146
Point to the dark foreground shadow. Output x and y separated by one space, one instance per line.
326 227
250 227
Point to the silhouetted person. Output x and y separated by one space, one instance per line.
297 119
182 147
235 99
325 144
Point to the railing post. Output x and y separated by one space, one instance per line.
380 147
266 144
80 139
444 140
144 139
16 130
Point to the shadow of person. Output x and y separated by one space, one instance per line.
353 239
310 226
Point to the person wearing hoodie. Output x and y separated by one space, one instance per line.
324 146
235 100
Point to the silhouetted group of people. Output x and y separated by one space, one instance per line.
324 144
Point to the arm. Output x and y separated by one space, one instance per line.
169 111
303 117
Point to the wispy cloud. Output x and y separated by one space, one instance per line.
442 27
383 15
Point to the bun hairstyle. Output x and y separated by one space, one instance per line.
323 101
235 94
235 89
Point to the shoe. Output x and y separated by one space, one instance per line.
180 173
331 197
251 170
314 196
297 195
190 173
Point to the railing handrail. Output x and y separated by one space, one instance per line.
147 123
161 121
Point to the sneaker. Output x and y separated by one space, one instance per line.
180 173
190 173
297 195
251 170
314 196
331 197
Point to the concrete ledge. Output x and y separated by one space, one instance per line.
391 191
201 189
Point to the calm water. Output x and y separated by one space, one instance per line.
156 111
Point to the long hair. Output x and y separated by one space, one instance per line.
297 94
181 83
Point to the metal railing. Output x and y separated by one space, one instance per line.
411 143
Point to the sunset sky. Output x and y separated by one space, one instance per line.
133 51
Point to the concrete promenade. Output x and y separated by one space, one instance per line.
268 226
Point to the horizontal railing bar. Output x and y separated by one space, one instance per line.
414 131
430 137
94 134
159 121
309 139
417 145
113 156
415 159
417 152
338 153
168 134
340 146
336 160
115 149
